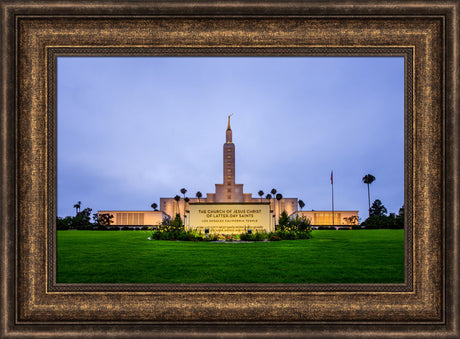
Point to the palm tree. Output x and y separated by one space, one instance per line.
269 198
154 206
301 204
279 196
368 179
186 200
177 198
77 207
198 195
273 192
261 193
183 191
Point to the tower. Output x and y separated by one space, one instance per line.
228 191
229 157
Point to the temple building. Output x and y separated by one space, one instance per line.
229 191
229 207
136 218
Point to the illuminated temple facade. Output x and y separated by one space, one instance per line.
228 192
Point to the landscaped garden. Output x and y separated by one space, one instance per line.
329 256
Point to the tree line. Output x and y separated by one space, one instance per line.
377 212
82 219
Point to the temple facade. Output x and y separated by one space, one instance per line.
227 194
228 191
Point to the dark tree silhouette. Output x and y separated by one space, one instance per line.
269 198
82 218
154 206
104 219
279 196
368 179
400 216
77 207
377 208
198 195
183 191
301 204
273 192
261 193
177 198
186 200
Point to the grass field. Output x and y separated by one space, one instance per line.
330 256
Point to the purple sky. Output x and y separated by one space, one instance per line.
132 130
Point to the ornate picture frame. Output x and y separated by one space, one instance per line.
35 34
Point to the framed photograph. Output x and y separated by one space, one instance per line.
38 40
134 130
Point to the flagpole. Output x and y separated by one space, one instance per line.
332 184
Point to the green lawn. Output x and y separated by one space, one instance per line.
350 256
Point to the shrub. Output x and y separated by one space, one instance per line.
260 236
290 235
246 237
296 224
257 236
382 221
300 224
304 235
283 221
192 235
189 235
211 237
63 223
274 236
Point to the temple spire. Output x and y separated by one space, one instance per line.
229 131
229 164
228 127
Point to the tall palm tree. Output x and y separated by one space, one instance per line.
279 196
186 200
261 193
273 192
301 204
177 198
198 195
183 191
77 207
154 206
268 197
368 179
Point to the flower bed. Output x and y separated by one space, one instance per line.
192 235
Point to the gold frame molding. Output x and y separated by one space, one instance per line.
35 33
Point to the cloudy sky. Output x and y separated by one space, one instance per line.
134 129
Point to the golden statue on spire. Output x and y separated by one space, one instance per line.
228 127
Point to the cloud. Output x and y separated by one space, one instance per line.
132 130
